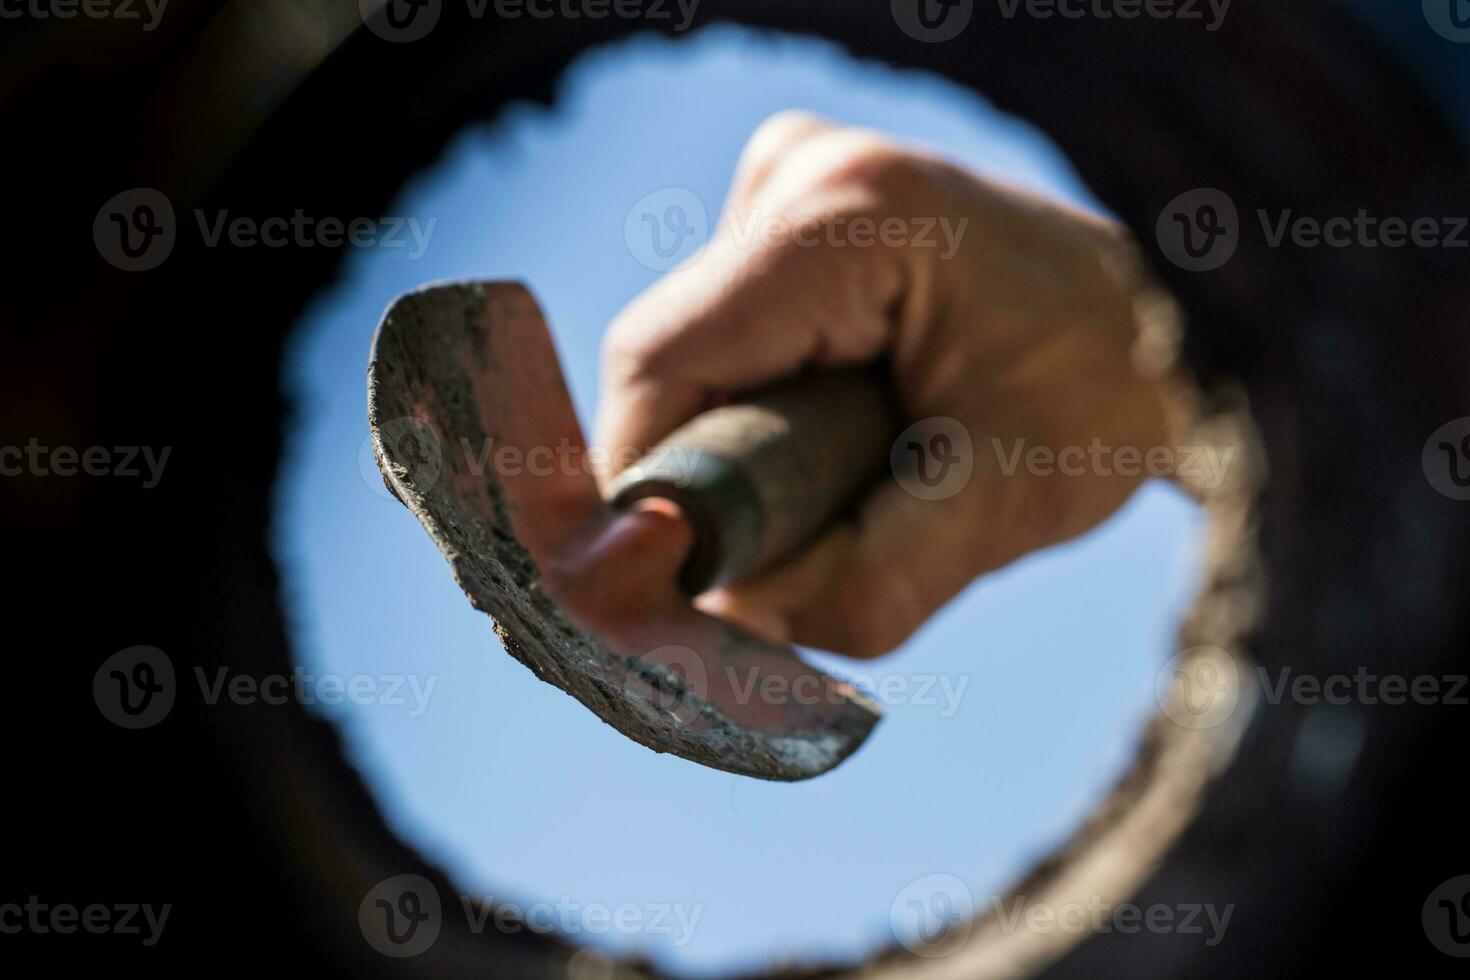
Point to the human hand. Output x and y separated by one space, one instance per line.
1012 315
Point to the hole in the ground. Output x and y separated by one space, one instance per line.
1009 715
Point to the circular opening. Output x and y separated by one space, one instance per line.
1009 717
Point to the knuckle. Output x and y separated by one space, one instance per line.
865 644
780 132
1036 512
647 331
873 632
629 348
873 618
862 160
821 157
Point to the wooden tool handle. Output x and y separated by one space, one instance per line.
760 477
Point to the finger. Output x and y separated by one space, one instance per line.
872 580
741 315
771 143
867 583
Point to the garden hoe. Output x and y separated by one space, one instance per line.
474 431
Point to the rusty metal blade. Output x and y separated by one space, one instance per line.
474 431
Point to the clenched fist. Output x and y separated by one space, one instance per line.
1012 315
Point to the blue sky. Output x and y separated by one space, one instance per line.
520 792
